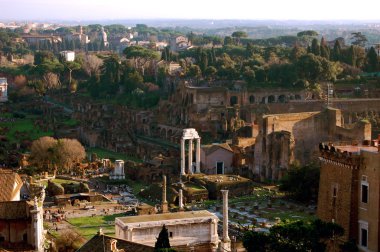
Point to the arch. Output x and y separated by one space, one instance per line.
263 100
233 100
252 99
25 237
271 99
282 99
297 97
291 97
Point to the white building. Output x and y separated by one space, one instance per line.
118 171
68 55
3 90
196 229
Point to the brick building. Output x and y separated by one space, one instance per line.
349 191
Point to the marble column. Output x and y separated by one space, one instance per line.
180 200
198 157
182 157
226 238
190 169
164 204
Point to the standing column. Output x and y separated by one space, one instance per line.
164 204
182 157
198 157
226 238
180 200
190 169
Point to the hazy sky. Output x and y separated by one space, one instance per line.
191 9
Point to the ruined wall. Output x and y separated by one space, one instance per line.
275 152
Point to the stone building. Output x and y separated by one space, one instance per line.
349 191
3 90
216 158
105 243
118 171
196 230
21 226
179 43
284 139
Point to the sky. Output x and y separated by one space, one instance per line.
78 10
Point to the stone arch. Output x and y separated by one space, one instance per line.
169 134
233 100
297 97
282 99
251 99
263 100
271 99
291 97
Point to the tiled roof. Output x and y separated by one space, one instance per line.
99 241
208 149
10 185
14 210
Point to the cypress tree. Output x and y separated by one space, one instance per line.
315 48
337 51
162 240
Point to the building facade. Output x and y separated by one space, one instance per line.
349 191
195 229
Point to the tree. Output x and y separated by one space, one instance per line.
71 66
301 183
372 62
92 64
325 50
315 48
295 236
140 56
68 152
237 35
359 39
162 240
210 72
69 240
195 72
310 33
337 51
41 152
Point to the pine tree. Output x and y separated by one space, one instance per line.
162 240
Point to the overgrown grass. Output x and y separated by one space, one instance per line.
60 181
23 129
89 226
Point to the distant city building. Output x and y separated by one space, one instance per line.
179 43
80 36
35 39
349 190
68 55
3 90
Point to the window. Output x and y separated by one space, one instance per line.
363 234
171 234
364 191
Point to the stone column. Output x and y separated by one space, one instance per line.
38 226
190 169
180 200
226 238
164 204
129 234
182 157
198 157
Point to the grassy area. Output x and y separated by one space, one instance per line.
102 153
135 185
60 181
89 226
71 122
23 129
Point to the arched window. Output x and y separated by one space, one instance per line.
271 99
251 99
233 100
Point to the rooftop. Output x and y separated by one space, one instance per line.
167 216
10 185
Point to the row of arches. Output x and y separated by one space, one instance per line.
266 99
